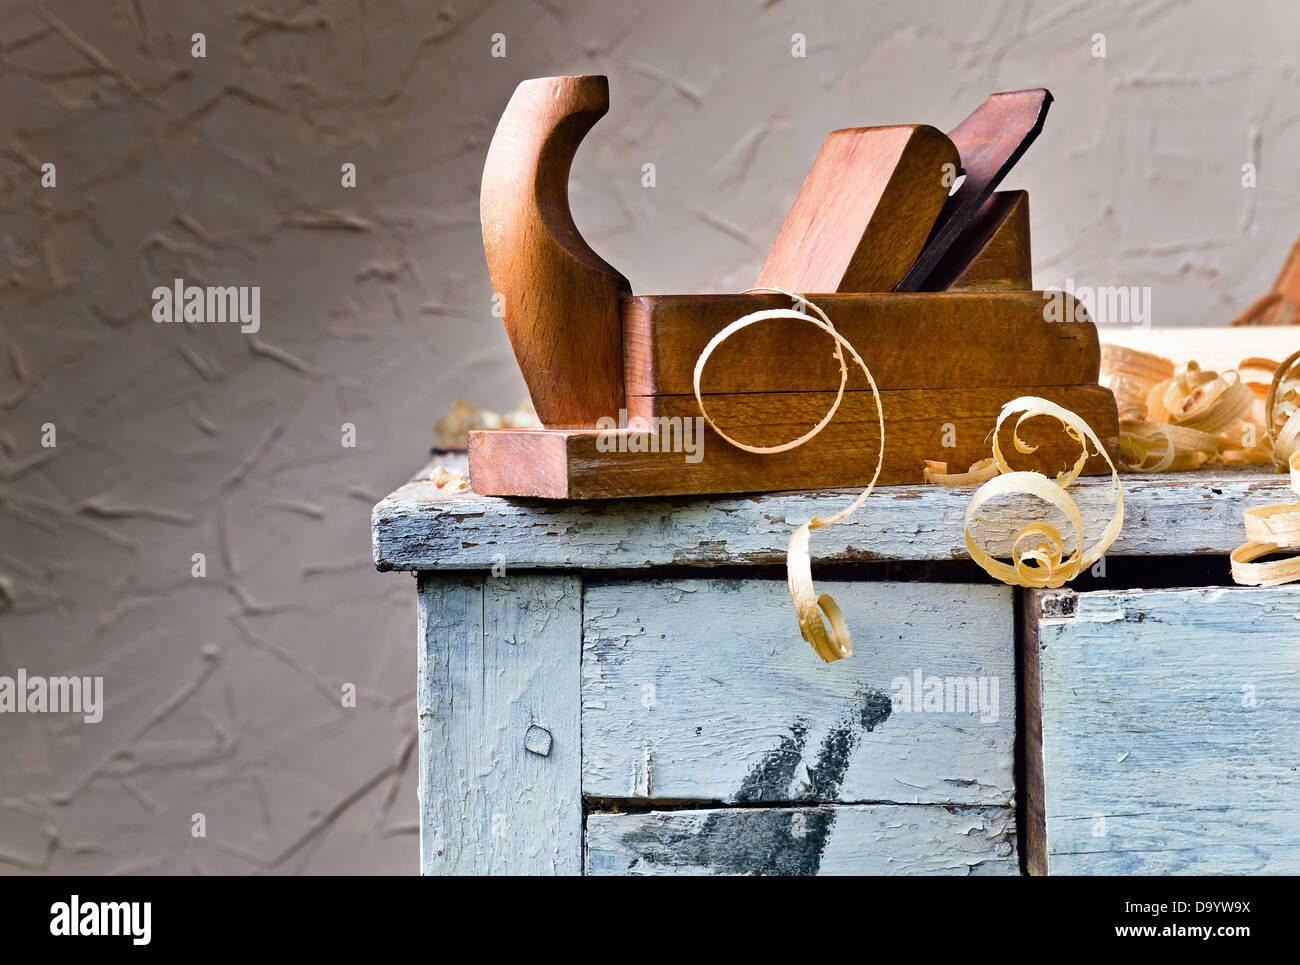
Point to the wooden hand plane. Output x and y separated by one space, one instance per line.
928 279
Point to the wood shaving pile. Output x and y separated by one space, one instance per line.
1176 418
1179 418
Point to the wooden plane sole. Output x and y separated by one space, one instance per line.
953 425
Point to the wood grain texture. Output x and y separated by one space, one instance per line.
524 462
416 528
871 839
913 341
498 692
1215 348
915 423
560 299
864 211
990 140
703 690
1169 728
993 253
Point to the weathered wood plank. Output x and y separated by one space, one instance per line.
1171 731
875 839
704 690
498 693
419 528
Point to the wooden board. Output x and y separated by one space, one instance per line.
703 690
914 341
864 211
1216 348
571 464
417 527
993 253
864 839
1169 731
498 692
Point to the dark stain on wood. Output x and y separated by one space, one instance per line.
770 778
772 841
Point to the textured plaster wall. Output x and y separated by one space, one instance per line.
223 693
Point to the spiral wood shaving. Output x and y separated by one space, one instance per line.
1271 530
833 642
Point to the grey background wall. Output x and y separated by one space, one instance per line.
223 693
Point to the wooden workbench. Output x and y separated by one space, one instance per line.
620 687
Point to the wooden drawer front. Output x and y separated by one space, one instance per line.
702 691
830 839
1170 731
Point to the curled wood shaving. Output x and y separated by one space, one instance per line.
1270 530
1037 548
1145 447
1131 375
447 481
1182 448
1282 410
981 471
833 642
1255 364
1205 401
1275 529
